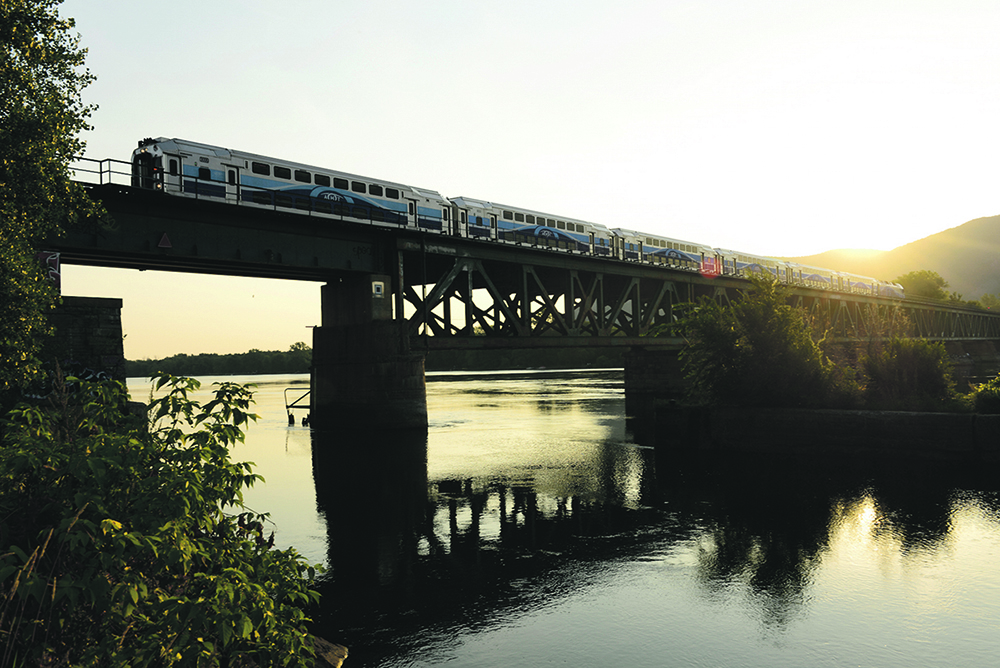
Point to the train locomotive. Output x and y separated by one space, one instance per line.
185 168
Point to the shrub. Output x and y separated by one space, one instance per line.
757 352
908 374
985 398
126 541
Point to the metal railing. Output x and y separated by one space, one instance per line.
296 402
101 172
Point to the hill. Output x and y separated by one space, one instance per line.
967 256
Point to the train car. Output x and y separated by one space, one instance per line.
667 251
814 277
473 218
735 263
890 289
859 285
487 220
181 167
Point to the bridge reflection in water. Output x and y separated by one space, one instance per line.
525 528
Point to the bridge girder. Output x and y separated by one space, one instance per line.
513 294
454 300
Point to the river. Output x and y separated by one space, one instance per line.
527 528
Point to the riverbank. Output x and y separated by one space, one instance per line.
935 436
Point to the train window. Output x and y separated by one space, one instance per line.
340 183
232 177
519 217
463 215
375 190
409 207
392 193
205 173
508 215
479 220
445 212
283 172
531 219
173 167
323 180
561 225
357 186
260 168
302 176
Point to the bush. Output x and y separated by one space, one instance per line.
908 374
126 542
985 398
758 352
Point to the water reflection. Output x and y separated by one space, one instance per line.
526 528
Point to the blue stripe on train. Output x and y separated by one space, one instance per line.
202 188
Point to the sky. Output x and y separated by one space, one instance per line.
779 127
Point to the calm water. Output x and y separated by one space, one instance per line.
526 528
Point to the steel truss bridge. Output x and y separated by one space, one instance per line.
455 292
462 295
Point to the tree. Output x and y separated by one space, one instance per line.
127 543
757 352
991 302
42 77
908 374
924 283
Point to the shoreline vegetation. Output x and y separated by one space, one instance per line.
760 352
298 359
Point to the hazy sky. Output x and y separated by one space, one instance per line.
778 127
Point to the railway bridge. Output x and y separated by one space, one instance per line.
391 293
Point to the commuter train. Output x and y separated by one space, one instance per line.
181 167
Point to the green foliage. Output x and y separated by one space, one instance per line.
925 283
41 116
908 374
985 398
991 302
758 351
297 359
126 541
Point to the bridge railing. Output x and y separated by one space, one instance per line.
101 172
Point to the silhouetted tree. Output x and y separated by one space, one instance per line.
924 283
41 117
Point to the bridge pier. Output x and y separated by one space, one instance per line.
364 375
651 374
88 338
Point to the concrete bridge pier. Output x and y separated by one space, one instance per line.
364 376
652 375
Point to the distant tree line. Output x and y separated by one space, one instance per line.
297 359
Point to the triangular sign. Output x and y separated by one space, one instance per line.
164 242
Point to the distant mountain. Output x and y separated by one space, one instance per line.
967 256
